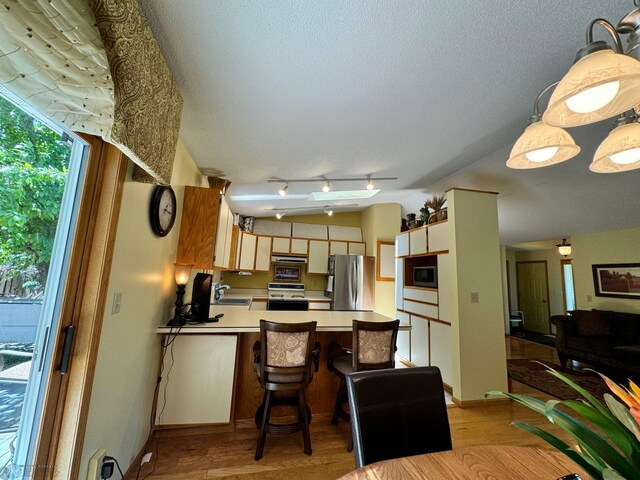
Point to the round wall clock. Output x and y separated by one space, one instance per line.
162 211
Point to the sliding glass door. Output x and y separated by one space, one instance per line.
42 168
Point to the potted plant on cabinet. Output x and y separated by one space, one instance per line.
436 205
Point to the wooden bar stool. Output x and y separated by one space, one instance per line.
285 359
373 348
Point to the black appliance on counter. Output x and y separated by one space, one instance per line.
287 296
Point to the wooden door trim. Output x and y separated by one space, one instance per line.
66 406
546 272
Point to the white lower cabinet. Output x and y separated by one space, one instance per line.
319 305
404 337
399 283
419 341
198 395
441 350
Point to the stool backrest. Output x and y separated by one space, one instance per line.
374 344
286 349
396 413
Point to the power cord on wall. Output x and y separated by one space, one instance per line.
110 468
167 344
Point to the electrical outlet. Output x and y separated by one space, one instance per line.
117 302
95 464
475 297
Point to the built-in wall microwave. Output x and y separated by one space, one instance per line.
425 276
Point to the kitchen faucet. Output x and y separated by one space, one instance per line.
218 290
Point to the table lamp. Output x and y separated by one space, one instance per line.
183 272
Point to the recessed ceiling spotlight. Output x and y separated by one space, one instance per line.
283 190
279 215
326 187
328 211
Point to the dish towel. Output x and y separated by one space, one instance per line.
330 283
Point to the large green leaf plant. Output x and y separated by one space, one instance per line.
607 436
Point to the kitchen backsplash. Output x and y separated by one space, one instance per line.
261 279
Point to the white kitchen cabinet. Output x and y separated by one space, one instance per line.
198 395
263 254
281 245
299 246
272 228
318 256
309 230
421 294
441 350
223 236
402 245
418 241
349 234
445 288
319 305
338 248
419 341
248 243
439 237
399 283
404 337
357 248
424 309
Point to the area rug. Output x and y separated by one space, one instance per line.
548 340
533 374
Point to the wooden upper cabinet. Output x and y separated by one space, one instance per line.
198 228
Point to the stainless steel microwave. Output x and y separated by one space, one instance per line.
425 276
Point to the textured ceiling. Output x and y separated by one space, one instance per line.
432 92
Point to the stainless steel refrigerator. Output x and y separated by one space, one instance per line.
350 283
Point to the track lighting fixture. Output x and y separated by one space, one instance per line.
327 182
326 187
369 185
283 190
328 211
279 215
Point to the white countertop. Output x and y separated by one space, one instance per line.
241 319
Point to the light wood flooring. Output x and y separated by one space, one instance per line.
229 455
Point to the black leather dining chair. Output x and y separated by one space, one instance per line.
397 413
285 360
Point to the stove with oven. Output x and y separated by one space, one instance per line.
286 296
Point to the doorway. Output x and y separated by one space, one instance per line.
533 295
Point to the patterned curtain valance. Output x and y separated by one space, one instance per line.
94 66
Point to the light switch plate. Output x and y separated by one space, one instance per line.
475 297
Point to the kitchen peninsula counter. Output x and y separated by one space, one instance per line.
207 376
243 320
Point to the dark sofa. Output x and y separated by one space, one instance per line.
599 337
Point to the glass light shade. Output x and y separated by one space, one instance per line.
620 151
565 250
541 145
596 87
183 272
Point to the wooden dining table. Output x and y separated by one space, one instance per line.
482 463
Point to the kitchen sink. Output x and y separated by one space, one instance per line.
244 302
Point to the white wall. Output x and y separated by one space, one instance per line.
620 246
127 364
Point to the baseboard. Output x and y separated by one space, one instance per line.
135 463
168 431
480 403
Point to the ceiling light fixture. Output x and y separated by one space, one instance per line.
564 248
283 190
279 215
601 84
541 144
325 209
326 187
328 211
369 184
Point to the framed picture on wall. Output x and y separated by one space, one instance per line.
286 274
621 280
